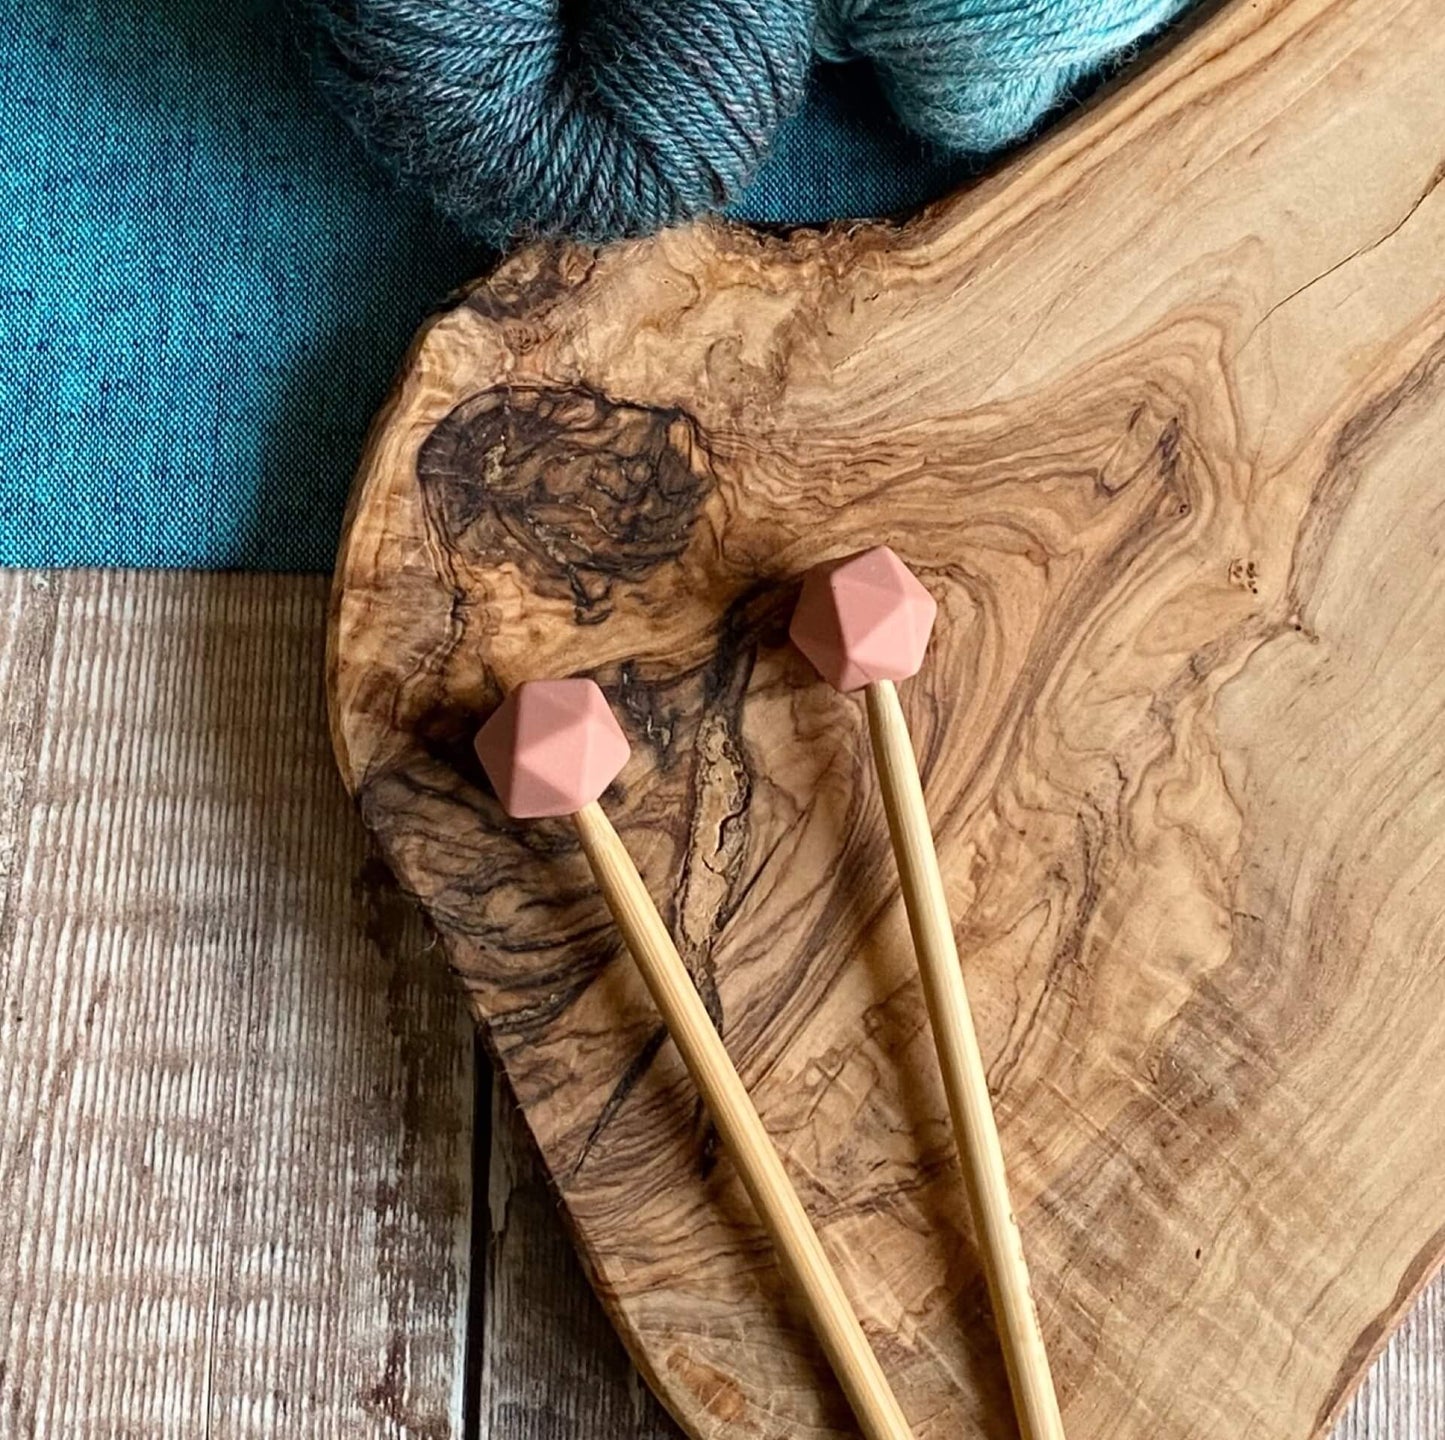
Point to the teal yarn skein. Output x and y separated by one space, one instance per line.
602 118
980 74
591 118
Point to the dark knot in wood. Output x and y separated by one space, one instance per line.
575 489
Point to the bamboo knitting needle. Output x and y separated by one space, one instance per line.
551 749
864 622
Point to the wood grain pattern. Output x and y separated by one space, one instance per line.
553 1367
805 1272
556 1370
1157 412
235 1104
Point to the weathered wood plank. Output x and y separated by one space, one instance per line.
235 1112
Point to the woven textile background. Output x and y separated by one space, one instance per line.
205 287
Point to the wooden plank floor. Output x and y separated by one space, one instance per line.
235 1138
240 1138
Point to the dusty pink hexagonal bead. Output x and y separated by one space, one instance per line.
863 618
551 747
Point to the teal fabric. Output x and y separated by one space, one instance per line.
844 154
205 287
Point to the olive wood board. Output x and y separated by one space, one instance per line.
1157 412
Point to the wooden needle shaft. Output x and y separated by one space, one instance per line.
964 1081
801 1253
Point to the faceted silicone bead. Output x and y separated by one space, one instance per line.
551 747
863 618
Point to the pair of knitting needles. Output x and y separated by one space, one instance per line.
554 746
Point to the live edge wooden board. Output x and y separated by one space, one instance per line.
1158 414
